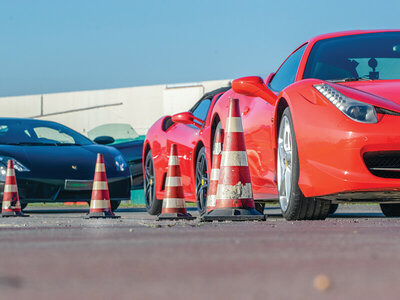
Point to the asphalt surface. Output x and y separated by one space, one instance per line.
56 254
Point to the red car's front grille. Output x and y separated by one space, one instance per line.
384 164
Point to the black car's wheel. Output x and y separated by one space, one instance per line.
333 208
201 181
294 205
153 205
23 205
390 210
115 205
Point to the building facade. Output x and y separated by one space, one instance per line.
138 106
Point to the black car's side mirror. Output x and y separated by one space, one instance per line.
104 140
253 86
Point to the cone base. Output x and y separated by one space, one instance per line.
234 214
7 214
175 216
102 215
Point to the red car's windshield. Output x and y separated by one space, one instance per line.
370 56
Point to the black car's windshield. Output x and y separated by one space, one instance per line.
38 133
371 56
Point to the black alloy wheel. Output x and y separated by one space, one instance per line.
153 205
201 181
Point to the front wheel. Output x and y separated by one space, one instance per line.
294 205
259 206
153 205
22 204
115 205
390 210
201 181
333 208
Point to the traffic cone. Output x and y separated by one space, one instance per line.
234 200
174 202
100 206
11 206
216 162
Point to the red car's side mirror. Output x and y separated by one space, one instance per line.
253 86
269 78
187 118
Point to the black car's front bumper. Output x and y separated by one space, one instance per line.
56 190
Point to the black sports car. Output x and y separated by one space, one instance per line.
54 163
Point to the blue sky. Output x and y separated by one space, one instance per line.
52 46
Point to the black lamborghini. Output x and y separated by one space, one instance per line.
54 163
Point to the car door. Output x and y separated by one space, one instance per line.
186 136
257 119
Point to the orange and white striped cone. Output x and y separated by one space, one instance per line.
100 204
11 206
234 200
216 163
174 201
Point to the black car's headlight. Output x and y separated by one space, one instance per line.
120 163
3 166
355 110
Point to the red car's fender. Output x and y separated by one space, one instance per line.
156 141
327 139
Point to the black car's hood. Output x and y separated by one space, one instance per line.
62 162
132 151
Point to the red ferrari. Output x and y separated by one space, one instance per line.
323 129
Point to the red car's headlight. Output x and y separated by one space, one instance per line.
355 110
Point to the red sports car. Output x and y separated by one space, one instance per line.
323 129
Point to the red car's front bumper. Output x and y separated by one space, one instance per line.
331 151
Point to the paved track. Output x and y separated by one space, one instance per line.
56 254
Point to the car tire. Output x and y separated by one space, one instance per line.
294 205
22 204
115 205
333 208
390 210
202 180
153 205
260 206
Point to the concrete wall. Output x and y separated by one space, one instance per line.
82 111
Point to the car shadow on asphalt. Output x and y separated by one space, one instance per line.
369 215
276 213
56 211
273 212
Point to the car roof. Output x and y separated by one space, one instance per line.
37 121
212 94
22 119
346 33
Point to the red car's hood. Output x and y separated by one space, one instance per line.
389 89
382 93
